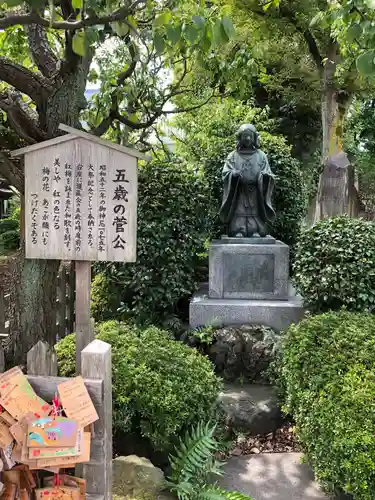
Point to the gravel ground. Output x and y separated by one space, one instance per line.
281 441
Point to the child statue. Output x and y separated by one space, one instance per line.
248 186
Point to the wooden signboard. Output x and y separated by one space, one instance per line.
80 199
80 205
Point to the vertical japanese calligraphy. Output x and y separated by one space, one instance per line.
119 209
68 207
78 208
45 221
102 207
56 195
90 216
81 203
34 218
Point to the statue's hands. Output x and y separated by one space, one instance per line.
237 173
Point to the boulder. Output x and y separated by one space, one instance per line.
243 351
136 477
251 408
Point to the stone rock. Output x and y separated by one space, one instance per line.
255 451
251 408
136 477
244 351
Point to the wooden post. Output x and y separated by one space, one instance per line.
42 360
61 306
2 311
84 333
97 364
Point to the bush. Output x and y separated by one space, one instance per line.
160 386
173 225
8 225
209 135
9 240
334 264
105 298
328 373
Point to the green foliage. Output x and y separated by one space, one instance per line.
334 264
160 386
105 298
173 225
66 355
327 373
359 142
209 135
8 225
194 464
353 23
9 240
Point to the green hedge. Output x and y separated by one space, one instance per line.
160 386
173 227
9 240
334 264
8 225
328 376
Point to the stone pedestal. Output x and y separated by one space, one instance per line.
252 268
248 284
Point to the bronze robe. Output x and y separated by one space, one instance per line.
249 194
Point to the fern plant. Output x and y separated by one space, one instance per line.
194 464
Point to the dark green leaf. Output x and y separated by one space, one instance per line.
199 21
220 36
354 32
121 29
78 44
191 33
365 63
174 33
159 43
228 27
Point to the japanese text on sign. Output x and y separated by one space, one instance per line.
81 208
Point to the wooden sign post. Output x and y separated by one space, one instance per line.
81 205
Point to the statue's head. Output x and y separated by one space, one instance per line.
247 137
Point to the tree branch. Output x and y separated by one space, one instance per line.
34 18
135 56
24 80
21 118
286 13
12 172
307 35
41 51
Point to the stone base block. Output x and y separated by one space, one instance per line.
248 268
277 314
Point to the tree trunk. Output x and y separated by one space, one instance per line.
336 192
33 294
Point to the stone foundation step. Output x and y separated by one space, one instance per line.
277 314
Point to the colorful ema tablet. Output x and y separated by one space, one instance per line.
56 432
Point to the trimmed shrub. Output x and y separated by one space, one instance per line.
8 225
9 240
160 386
334 264
173 226
105 298
328 375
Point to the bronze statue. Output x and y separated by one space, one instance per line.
248 186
